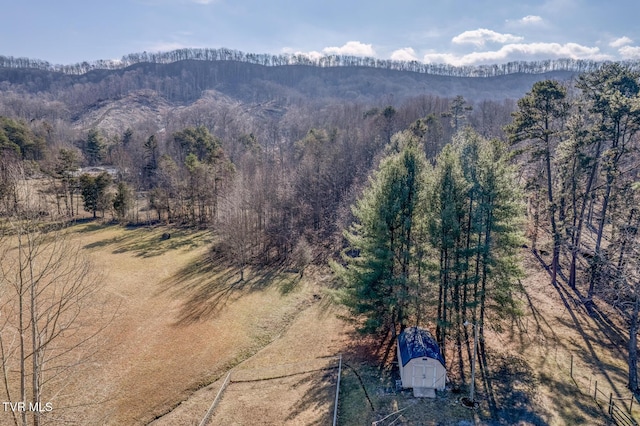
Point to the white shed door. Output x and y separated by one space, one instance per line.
424 376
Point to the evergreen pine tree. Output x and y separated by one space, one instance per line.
378 275
95 148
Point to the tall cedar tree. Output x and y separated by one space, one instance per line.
122 200
447 195
95 148
379 284
474 214
94 192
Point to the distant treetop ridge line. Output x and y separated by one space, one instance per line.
224 54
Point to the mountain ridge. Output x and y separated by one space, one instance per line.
186 80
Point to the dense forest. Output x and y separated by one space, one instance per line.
418 202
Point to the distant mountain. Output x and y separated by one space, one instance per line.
151 87
186 80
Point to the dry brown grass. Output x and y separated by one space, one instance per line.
290 381
181 321
528 378
529 363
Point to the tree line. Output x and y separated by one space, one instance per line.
288 180
271 60
578 145
434 243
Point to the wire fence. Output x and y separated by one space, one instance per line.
280 371
600 387
283 370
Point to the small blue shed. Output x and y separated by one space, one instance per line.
420 361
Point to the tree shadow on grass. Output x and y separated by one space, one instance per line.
373 349
571 300
582 408
145 242
322 389
206 286
90 224
513 390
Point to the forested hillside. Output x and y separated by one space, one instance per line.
418 189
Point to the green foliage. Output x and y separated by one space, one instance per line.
94 148
198 141
452 230
67 162
250 143
380 263
538 112
94 192
17 137
122 200
151 161
127 137
457 111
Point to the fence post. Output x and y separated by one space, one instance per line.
610 403
335 406
595 391
631 404
572 366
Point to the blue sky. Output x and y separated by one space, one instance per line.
443 31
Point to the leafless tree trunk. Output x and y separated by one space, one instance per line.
46 282
237 224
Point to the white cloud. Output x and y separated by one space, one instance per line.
622 41
313 55
404 54
480 36
520 52
168 46
351 48
531 19
443 58
630 52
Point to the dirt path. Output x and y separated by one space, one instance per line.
299 366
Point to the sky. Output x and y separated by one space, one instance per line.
463 32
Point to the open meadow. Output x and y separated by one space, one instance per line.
176 321
179 321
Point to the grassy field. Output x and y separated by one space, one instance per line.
182 321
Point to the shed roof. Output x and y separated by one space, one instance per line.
416 342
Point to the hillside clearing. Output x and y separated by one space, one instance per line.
181 322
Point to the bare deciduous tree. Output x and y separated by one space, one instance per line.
46 283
